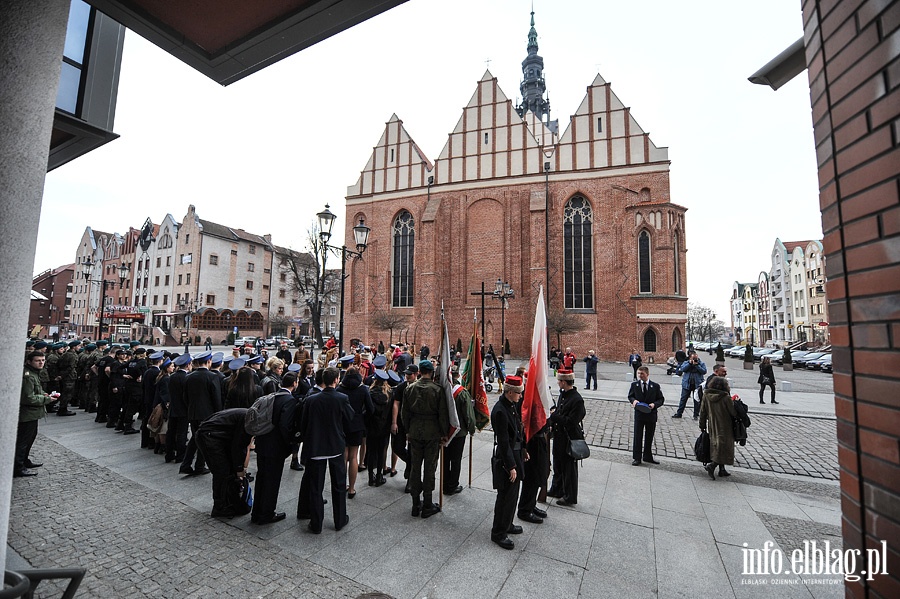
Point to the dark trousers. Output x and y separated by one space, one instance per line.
399 445
314 484
587 380
423 453
26 433
376 448
115 404
102 399
176 438
762 388
67 394
268 483
644 427
453 462
685 393
216 450
565 470
132 406
535 475
635 367
505 509
191 449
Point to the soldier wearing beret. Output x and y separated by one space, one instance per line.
32 407
51 367
425 416
101 369
66 367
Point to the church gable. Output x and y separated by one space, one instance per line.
490 140
603 133
396 163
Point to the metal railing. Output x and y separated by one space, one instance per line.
23 583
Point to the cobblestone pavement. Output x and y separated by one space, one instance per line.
772 445
88 516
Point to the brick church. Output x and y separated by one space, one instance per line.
585 212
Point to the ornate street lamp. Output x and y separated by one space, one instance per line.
361 236
503 292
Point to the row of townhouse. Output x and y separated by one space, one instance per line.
787 304
189 280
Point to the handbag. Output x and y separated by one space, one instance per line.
701 448
246 493
766 381
578 449
499 474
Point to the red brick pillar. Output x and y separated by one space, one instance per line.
852 49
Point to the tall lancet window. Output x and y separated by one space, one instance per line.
578 258
404 247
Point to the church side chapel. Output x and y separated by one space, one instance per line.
585 212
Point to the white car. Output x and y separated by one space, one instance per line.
245 341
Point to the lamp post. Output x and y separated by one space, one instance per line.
87 268
191 306
361 236
504 293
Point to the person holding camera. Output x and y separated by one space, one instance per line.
691 372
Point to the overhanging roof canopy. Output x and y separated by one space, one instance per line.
227 40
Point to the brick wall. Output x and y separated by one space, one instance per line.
852 51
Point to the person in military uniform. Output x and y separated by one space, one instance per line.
566 419
454 451
203 396
425 416
506 420
68 374
176 437
32 407
148 394
399 442
118 388
137 365
94 353
81 380
101 370
51 365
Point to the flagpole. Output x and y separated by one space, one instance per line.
470 461
441 495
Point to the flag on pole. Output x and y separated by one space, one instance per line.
536 401
445 381
473 380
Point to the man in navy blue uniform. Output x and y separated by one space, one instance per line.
645 397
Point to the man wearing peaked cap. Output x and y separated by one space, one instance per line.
176 438
148 394
379 362
203 395
133 401
566 420
133 344
506 420
236 364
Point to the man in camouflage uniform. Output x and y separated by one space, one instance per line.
86 363
66 366
51 366
425 416
79 398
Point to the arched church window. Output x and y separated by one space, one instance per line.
644 262
677 264
402 266
676 340
650 341
578 260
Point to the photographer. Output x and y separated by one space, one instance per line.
691 372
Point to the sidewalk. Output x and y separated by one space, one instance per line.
663 531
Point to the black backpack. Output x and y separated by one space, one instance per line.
258 420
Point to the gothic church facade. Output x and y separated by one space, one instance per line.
586 213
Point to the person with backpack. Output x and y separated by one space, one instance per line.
203 396
361 402
223 441
276 414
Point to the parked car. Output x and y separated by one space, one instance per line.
736 352
278 340
801 363
826 367
818 364
245 341
760 352
794 355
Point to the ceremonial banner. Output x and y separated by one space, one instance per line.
536 401
446 382
473 381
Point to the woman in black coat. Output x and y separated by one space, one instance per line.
361 402
766 379
378 428
566 420
242 389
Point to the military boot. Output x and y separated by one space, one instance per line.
417 507
429 508
371 477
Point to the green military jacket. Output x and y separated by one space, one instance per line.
51 366
67 365
31 405
424 411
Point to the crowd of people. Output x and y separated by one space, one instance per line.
209 412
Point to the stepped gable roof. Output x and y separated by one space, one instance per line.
396 163
790 246
217 230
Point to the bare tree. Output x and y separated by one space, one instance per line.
564 323
702 324
310 278
385 320
279 324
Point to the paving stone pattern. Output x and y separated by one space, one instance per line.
773 442
88 516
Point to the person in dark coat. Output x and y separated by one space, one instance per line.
223 442
176 436
452 462
590 369
378 427
242 389
507 424
134 396
325 416
766 379
399 442
645 397
718 413
691 372
203 395
117 388
272 449
566 419
148 387
361 402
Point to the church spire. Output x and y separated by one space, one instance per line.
533 86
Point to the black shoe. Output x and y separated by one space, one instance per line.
723 472
249 477
24 472
296 465
343 524
131 431
762 402
110 424
430 509
315 531
676 415
199 472
773 401
503 541
553 493
222 514
711 471
30 464
650 461
100 418
66 413
635 462
351 495
587 388
539 512
380 480
276 517
531 518
515 529
416 508
565 502
696 417
454 491
361 468
186 470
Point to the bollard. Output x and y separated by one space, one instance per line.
785 386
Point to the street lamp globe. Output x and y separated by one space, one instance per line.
123 272
326 222
361 233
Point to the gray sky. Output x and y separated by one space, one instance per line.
266 153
